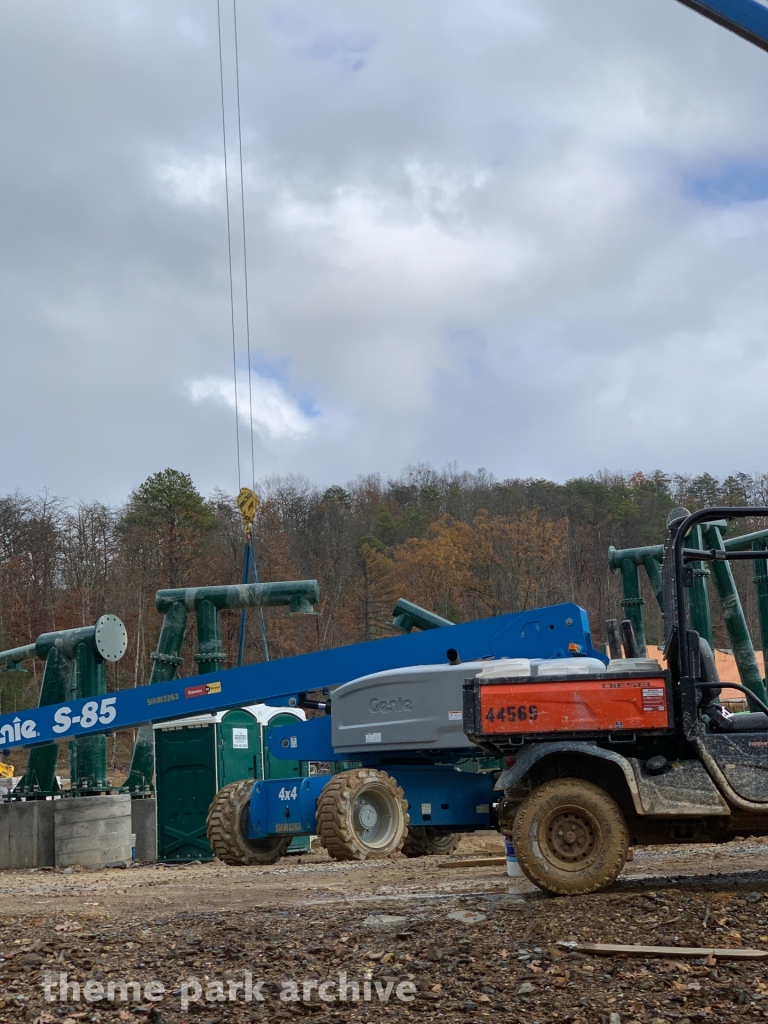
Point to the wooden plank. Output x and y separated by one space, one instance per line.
481 862
612 949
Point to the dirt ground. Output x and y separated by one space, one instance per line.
413 941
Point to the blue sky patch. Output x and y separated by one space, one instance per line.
734 183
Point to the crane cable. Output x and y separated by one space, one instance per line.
245 249
229 243
247 500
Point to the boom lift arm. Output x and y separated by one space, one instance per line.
747 18
541 632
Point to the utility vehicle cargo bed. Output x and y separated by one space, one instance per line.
606 704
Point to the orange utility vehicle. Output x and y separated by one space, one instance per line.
603 758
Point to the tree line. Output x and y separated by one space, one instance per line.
465 545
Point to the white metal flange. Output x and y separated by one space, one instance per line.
111 638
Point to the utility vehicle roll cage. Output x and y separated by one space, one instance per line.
681 645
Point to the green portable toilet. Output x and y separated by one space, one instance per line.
195 757
239 741
274 768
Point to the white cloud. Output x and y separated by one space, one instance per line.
276 416
507 232
191 180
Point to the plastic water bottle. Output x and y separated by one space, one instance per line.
513 868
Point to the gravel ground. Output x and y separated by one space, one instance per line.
417 941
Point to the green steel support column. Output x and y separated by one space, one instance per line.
40 776
88 754
698 596
653 569
761 583
733 616
408 615
210 654
165 663
633 602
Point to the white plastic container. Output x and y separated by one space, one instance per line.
513 868
555 667
634 665
506 668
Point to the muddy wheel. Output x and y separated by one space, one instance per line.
226 827
362 814
425 841
570 837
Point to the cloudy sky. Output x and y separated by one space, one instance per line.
530 235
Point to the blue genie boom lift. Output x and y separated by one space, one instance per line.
393 707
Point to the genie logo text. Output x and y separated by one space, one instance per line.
396 704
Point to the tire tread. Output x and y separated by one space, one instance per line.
333 820
563 883
223 827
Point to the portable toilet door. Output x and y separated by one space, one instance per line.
185 783
240 747
274 767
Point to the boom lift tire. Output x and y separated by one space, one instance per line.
570 837
426 841
227 824
362 815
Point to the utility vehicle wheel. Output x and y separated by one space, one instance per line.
226 827
425 841
570 837
362 814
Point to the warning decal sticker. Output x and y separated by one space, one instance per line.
202 690
653 699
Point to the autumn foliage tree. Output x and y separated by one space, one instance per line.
464 545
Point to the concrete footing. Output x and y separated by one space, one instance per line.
27 834
91 830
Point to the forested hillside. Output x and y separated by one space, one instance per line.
462 544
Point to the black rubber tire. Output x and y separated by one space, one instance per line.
570 837
362 791
226 829
425 841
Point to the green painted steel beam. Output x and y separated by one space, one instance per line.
760 577
656 551
635 555
408 616
745 541
165 664
298 595
40 776
16 656
107 637
210 652
698 595
653 569
632 602
734 618
88 754
74 667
